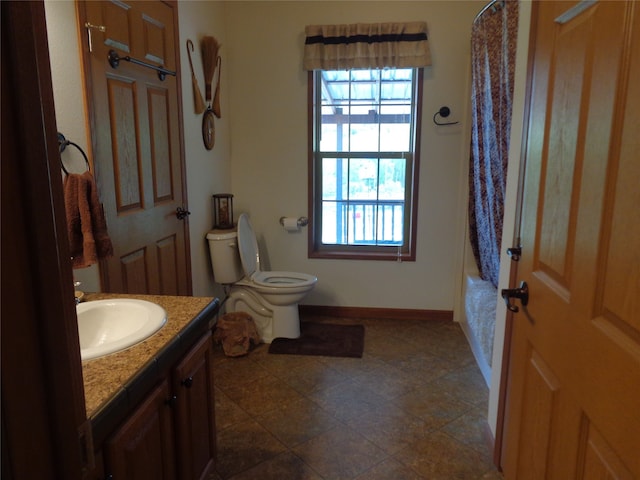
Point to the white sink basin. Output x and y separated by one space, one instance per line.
108 326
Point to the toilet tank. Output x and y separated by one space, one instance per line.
225 259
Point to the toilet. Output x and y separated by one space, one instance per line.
271 298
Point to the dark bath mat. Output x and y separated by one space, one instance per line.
324 339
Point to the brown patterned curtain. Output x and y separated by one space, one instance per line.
493 48
366 45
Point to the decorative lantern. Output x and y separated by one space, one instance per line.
223 210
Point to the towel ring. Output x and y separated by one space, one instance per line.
444 112
62 145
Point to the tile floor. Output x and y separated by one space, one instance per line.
413 407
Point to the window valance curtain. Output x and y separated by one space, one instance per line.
363 45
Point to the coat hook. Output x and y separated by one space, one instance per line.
444 113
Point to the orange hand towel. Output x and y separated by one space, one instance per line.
86 225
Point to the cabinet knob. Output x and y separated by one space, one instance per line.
171 401
187 382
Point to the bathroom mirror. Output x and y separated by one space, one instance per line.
153 227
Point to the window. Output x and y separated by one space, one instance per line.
364 162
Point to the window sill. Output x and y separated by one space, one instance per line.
378 256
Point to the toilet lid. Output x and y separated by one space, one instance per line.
248 246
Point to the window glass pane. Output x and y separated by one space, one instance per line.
329 190
329 223
396 74
395 128
364 130
396 85
335 178
335 223
392 179
334 131
390 223
362 221
339 91
365 86
363 179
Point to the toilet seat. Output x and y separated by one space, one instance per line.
250 259
283 279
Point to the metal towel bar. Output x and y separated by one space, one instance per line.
114 61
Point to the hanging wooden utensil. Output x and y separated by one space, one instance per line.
216 96
198 101
208 129
210 47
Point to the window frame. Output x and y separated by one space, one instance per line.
316 249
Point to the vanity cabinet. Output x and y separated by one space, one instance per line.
144 447
171 434
194 412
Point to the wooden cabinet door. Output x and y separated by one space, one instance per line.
143 447
573 396
137 144
195 413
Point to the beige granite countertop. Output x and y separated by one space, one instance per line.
107 376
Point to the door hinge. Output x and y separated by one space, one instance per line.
515 253
85 442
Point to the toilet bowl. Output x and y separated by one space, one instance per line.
270 297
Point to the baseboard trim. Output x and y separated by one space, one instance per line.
386 313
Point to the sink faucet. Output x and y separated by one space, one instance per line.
77 298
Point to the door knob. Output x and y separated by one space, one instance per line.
522 293
181 213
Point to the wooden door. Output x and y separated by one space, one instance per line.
44 430
136 130
195 412
143 447
573 394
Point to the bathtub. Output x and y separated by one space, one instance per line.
478 324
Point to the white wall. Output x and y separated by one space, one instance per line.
268 90
261 140
208 171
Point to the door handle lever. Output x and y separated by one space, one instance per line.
522 293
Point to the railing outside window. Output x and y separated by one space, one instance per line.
363 223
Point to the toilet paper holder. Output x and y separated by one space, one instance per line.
302 221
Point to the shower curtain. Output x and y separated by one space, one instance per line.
493 48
